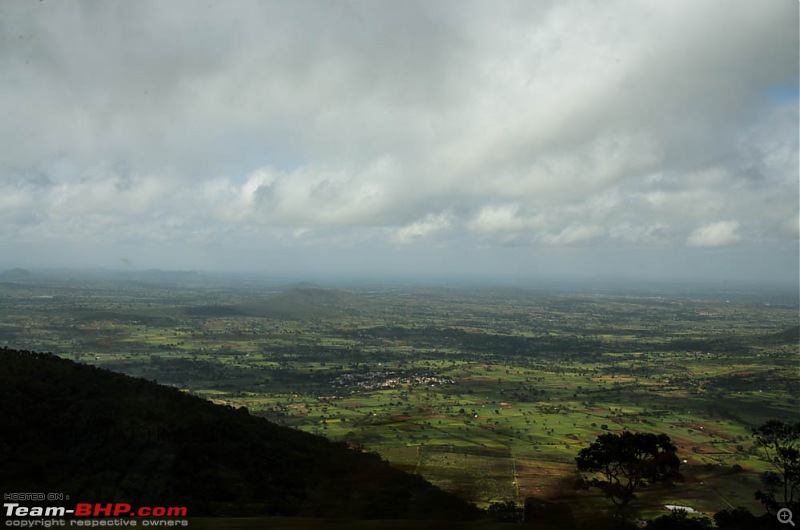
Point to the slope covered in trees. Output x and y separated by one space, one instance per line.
105 437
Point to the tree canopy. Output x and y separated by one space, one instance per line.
780 443
626 462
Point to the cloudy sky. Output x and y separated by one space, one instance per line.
628 139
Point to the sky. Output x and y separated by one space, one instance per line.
504 140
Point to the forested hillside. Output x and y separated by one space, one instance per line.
99 436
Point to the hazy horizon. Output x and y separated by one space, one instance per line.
500 142
762 289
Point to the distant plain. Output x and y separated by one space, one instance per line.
489 393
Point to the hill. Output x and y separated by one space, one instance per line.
302 304
16 274
105 437
788 336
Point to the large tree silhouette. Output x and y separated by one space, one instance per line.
625 462
781 445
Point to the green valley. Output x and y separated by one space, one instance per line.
488 393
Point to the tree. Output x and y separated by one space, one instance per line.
741 519
679 520
627 462
780 443
504 512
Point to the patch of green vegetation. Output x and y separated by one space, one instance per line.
489 394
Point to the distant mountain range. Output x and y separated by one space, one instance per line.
100 436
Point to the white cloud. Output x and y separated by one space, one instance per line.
423 228
717 234
498 218
573 234
645 235
528 123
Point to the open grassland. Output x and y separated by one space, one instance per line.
487 393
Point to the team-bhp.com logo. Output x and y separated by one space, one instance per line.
87 509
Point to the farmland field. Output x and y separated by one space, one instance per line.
489 393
